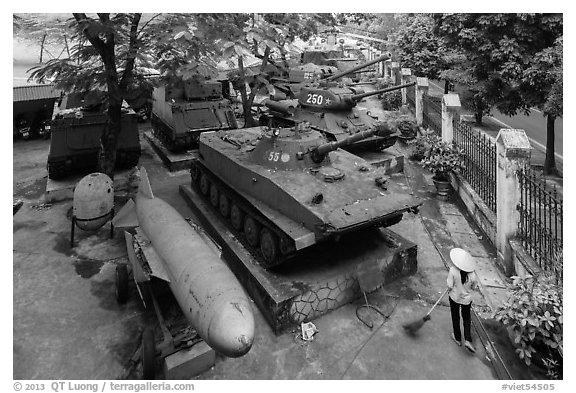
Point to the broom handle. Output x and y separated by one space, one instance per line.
438 301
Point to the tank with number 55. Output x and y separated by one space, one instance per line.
285 189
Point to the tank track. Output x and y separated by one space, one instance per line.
175 144
272 246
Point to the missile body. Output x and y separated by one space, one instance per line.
206 289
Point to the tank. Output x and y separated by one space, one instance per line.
75 142
285 189
330 107
181 112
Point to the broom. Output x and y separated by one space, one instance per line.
413 327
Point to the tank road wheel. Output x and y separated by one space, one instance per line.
224 205
195 175
237 217
148 354
214 195
252 231
121 283
204 185
269 246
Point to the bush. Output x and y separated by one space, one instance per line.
392 100
423 144
408 128
533 317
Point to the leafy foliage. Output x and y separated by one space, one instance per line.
498 49
418 47
392 100
423 144
534 317
443 158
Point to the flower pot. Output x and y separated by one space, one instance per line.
443 187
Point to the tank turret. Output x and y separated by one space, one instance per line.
339 98
283 190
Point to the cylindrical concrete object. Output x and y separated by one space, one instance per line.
93 198
206 289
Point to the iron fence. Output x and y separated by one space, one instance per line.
479 161
432 115
541 220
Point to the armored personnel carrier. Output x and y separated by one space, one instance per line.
180 113
330 107
75 141
286 189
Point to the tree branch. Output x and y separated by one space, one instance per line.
132 51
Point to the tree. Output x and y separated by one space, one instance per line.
420 49
541 87
110 50
499 50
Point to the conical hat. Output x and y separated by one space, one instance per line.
463 260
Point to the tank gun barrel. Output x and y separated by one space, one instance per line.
358 67
358 97
319 152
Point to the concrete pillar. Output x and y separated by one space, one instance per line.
406 74
421 90
387 66
395 72
512 152
450 108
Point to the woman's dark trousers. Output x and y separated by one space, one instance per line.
455 311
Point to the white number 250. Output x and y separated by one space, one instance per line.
315 99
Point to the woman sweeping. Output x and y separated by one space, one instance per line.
461 282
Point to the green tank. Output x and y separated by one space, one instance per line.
181 112
330 107
75 142
285 189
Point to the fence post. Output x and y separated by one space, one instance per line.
421 90
396 72
512 152
406 74
387 65
450 107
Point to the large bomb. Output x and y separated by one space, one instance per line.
93 201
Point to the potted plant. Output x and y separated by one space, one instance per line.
422 145
408 129
441 159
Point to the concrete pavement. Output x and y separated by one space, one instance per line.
67 324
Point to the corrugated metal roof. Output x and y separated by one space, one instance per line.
35 92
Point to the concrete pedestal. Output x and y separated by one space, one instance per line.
190 362
173 161
320 279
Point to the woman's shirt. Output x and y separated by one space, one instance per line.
461 293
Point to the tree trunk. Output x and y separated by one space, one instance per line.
446 86
108 141
248 120
550 161
478 110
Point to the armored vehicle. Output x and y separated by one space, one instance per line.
181 112
75 142
330 107
286 189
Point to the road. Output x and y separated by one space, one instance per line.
535 127
533 124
